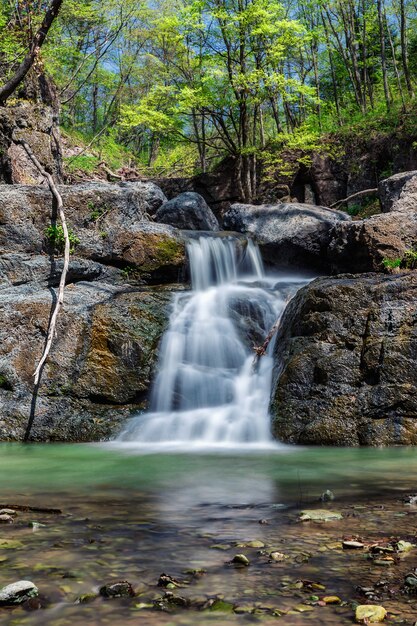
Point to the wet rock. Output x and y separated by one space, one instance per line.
319 515
18 592
188 211
352 545
370 613
221 606
278 557
168 581
120 589
240 559
11 512
346 363
327 496
6 519
288 234
331 600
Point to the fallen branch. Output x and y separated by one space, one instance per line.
355 196
60 299
109 172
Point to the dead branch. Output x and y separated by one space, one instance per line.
60 299
355 196
261 350
109 172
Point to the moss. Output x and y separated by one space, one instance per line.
160 252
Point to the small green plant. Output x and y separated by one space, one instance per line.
127 271
96 211
55 235
408 261
391 264
103 234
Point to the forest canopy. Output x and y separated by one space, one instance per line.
181 84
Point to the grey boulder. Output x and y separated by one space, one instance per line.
288 234
188 211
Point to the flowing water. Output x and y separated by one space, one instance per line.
209 391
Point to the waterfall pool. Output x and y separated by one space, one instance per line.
125 515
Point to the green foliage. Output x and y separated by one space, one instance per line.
391 264
55 235
408 261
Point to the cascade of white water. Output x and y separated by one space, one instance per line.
207 391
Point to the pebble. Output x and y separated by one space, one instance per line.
319 515
120 589
18 592
352 545
241 559
370 613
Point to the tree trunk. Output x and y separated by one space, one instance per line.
38 40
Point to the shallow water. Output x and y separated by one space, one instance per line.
132 516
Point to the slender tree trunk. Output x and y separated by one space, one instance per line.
383 54
394 61
404 52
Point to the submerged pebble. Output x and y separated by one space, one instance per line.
319 515
370 613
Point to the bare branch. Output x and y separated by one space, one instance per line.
355 196
60 299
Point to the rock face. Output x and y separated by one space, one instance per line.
101 364
347 363
188 211
288 234
37 124
102 361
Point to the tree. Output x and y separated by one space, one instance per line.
35 45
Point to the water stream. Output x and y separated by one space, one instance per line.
208 391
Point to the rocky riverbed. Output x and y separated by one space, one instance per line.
182 541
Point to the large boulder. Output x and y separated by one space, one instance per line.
110 225
101 364
399 192
188 211
346 363
288 234
363 245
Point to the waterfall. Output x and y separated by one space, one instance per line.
207 391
